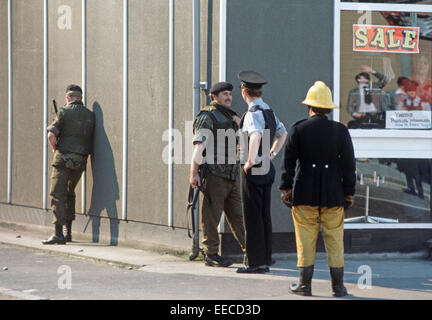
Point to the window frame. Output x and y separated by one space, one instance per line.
379 143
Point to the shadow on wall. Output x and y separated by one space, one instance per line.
105 190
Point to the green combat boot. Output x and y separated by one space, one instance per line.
338 287
304 287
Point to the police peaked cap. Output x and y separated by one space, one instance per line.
73 87
252 79
221 86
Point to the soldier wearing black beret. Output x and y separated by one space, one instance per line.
71 138
221 86
222 183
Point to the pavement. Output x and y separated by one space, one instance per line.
391 276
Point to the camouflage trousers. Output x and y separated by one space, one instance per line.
63 183
225 197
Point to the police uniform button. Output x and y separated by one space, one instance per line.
314 165
326 166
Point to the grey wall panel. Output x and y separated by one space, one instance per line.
183 101
148 110
183 87
209 45
64 66
214 11
28 102
290 43
104 97
3 100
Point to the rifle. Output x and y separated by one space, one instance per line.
192 202
55 106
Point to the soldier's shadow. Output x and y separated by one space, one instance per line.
105 190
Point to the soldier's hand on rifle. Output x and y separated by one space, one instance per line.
286 197
194 180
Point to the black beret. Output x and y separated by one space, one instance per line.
221 86
251 79
73 87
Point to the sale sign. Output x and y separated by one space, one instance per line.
371 38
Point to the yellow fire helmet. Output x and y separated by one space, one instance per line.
319 96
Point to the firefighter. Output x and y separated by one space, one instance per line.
321 151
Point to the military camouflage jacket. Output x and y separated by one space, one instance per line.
73 127
216 117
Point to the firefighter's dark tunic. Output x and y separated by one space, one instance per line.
326 171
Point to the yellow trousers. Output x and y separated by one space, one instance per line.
307 221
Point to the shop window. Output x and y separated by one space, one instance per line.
385 70
392 191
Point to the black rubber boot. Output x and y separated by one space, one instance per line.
56 238
68 229
216 260
338 287
304 287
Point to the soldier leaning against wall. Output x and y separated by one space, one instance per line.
71 138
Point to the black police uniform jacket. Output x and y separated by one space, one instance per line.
319 163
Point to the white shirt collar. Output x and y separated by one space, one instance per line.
258 101
255 102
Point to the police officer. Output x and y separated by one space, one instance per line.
222 183
323 185
266 136
71 138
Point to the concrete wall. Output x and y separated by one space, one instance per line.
105 98
148 110
64 67
148 97
3 100
183 102
149 100
290 43
28 131
183 85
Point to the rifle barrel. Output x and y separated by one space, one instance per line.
55 106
